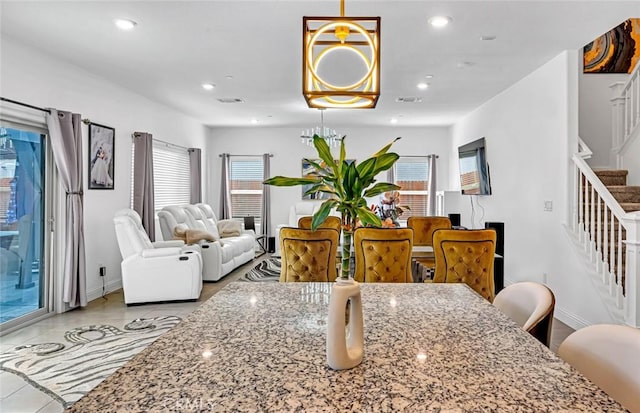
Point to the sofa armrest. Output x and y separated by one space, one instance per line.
161 252
168 244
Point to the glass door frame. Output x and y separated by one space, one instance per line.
49 183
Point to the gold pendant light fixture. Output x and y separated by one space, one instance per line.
341 61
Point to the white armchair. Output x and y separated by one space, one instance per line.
160 271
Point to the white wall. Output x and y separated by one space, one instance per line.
31 76
529 129
595 113
288 151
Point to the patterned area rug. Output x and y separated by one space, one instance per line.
67 371
267 270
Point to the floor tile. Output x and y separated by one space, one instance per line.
10 383
27 399
52 407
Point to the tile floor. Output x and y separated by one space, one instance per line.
17 396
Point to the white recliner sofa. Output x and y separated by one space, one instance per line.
297 211
155 271
221 256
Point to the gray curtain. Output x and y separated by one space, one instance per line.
391 174
266 197
431 200
66 143
225 190
143 202
195 169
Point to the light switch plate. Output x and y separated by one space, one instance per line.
548 206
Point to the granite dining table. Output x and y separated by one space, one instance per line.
260 347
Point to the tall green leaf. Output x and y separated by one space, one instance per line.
386 147
285 181
324 152
323 212
380 188
385 162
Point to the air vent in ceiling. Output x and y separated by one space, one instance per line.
408 99
230 100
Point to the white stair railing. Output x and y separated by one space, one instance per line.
609 235
625 114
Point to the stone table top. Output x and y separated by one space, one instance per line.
428 348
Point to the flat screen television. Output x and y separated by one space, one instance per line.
474 169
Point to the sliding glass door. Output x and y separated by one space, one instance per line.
23 281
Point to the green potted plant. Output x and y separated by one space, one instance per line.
348 185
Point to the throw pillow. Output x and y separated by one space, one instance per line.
229 228
192 236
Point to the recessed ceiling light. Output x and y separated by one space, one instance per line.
429 77
440 21
422 85
254 121
125 24
208 86
488 37
394 120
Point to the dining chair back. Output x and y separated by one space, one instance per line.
465 256
330 222
383 255
607 354
423 229
308 256
531 305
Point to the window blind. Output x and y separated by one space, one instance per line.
246 187
171 179
412 175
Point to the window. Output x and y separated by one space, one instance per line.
412 175
171 175
246 187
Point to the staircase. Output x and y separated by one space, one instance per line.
606 224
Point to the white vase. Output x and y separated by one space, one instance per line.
345 342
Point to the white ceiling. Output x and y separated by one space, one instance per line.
178 45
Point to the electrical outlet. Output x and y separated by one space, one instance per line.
548 206
103 271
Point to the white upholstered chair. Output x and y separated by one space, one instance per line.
160 271
530 305
607 355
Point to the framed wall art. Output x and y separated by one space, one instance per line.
616 51
101 160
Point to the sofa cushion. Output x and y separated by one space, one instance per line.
200 221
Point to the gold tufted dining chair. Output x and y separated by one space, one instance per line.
466 256
308 256
330 222
423 229
383 255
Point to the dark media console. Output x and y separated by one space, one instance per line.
498 261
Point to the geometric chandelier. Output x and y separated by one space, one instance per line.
341 61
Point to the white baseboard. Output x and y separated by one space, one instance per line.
108 287
570 319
